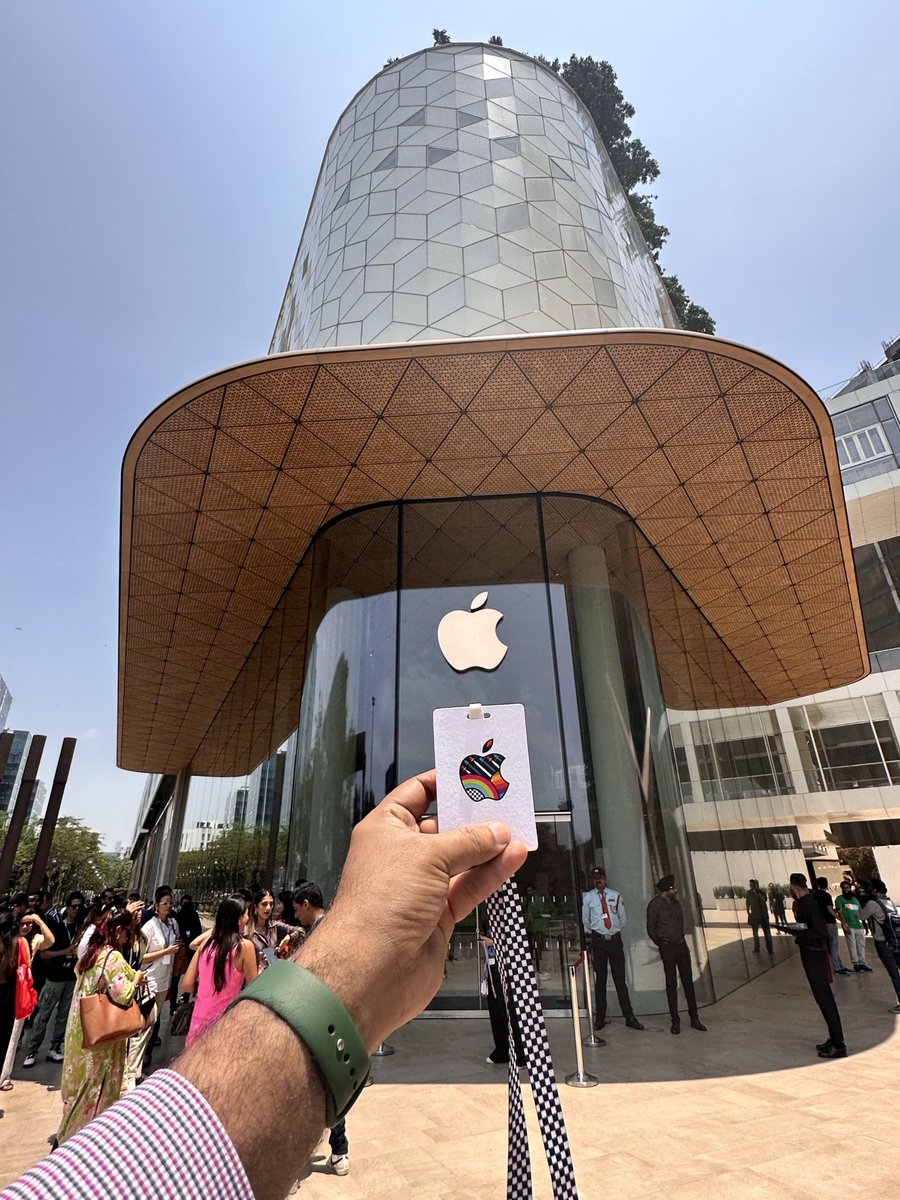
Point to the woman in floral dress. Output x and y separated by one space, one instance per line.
92 1078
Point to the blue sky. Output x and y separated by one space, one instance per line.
157 162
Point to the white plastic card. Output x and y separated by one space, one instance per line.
483 772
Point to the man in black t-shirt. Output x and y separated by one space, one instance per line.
59 974
813 945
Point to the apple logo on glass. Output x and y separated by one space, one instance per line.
469 639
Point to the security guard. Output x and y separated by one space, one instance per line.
603 918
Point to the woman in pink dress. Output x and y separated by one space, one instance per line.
221 968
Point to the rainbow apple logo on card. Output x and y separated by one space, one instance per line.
481 776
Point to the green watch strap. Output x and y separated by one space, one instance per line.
324 1026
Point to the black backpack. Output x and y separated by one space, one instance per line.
890 926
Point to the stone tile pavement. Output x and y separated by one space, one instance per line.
745 1111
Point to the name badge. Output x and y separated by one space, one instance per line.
483 770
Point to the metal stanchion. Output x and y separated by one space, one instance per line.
591 1039
382 1050
580 1078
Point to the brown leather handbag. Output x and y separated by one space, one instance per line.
102 1021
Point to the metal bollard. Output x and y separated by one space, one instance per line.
591 1039
580 1078
382 1050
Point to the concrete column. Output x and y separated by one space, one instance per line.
791 753
614 760
613 754
170 851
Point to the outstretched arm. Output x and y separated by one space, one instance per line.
381 949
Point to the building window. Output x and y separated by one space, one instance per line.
846 744
878 576
862 446
740 757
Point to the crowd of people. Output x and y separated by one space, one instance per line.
136 952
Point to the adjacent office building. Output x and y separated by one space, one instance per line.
478 384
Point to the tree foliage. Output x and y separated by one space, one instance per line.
441 37
76 860
237 858
494 40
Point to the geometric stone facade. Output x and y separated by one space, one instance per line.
465 192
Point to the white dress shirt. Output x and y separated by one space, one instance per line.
592 915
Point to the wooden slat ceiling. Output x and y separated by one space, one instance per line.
724 458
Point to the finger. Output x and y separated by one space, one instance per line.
428 825
470 845
416 795
470 888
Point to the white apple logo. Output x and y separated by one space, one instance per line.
469 639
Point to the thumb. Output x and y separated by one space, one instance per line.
471 845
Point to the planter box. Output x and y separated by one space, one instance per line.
727 905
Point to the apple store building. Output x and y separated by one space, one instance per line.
481 464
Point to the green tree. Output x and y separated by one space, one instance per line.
860 860
76 858
237 858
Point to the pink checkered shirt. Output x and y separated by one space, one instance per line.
162 1140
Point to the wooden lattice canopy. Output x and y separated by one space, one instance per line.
724 458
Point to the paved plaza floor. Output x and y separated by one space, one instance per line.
745 1111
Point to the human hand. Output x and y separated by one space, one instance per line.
403 888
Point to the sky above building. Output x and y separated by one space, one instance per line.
158 161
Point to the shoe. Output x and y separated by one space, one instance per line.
496 1062
845 970
696 1023
339 1163
30 1059
676 1024
856 967
633 1023
55 1055
865 967
826 1045
895 1009
834 1052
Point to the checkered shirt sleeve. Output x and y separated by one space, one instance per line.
161 1140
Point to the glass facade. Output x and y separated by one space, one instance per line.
569 577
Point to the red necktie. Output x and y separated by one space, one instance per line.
607 921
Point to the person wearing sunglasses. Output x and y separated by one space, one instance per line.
59 981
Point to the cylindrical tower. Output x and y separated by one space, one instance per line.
466 192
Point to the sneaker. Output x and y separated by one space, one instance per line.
496 1062
339 1163
845 970
55 1055
895 1009
30 1059
865 967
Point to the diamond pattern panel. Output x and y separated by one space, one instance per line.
744 555
469 204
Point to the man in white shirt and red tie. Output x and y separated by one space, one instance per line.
603 918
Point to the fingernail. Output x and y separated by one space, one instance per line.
502 833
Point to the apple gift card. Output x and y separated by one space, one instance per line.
483 772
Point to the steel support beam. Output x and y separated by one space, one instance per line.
20 809
48 827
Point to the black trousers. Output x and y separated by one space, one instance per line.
815 964
609 954
767 933
499 1026
337 1138
890 964
676 959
